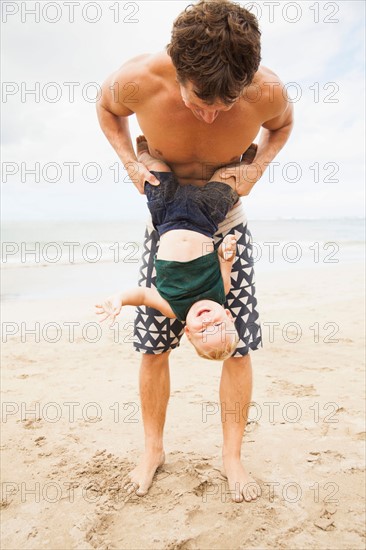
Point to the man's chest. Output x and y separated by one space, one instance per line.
176 136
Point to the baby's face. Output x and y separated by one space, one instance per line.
209 325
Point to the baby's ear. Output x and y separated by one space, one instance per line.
228 313
187 332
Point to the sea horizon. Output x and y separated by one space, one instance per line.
96 256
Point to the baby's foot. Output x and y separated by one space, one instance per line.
227 249
249 155
144 156
225 175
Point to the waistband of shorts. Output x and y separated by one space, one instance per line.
234 217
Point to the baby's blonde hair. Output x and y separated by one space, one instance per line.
219 354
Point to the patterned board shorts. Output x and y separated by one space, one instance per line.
154 333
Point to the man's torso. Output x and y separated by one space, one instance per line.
192 148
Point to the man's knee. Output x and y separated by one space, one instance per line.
155 360
242 361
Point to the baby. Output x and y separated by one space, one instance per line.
192 278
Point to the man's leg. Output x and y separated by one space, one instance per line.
236 379
235 395
154 397
154 337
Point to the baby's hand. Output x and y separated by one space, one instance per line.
229 247
111 307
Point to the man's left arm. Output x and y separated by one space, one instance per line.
274 134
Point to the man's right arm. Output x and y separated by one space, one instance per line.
113 116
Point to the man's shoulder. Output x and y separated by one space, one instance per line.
265 74
136 81
270 90
146 70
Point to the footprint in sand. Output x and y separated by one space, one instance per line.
297 390
31 424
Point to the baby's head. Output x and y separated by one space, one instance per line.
211 330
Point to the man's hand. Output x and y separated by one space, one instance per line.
240 176
139 174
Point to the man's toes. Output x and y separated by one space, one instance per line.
141 492
131 487
251 492
126 483
126 478
128 487
247 495
256 490
237 495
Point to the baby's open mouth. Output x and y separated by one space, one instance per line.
203 310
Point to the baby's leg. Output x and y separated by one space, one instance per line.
150 162
247 158
218 176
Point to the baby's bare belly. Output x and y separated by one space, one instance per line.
183 245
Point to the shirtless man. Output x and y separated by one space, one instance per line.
200 104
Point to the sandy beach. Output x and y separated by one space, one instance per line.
82 79
72 427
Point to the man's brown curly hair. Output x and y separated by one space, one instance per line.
215 45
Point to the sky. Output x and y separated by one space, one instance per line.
65 50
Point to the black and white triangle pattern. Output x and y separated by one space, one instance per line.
241 300
154 333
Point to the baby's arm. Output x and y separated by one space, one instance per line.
139 296
226 252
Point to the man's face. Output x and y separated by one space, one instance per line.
200 109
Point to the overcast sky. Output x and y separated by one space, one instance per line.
316 48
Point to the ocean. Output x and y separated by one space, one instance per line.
41 260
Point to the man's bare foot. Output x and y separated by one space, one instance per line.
227 248
241 485
144 156
140 478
